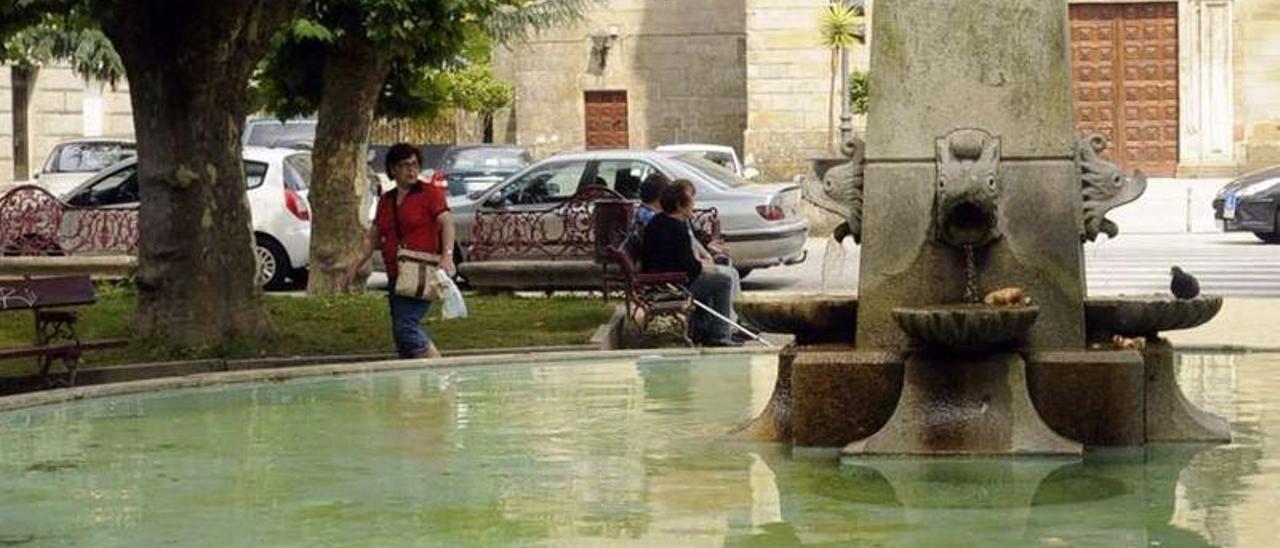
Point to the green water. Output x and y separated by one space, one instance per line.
618 453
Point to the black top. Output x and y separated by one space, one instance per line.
667 247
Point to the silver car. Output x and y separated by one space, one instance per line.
761 223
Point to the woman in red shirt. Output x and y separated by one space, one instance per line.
426 225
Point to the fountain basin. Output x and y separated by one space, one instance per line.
813 319
1148 315
965 326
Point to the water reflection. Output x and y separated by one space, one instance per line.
620 452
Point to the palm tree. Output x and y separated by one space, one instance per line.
841 27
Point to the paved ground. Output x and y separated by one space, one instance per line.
1226 264
1171 224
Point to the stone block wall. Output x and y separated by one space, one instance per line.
789 87
682 65
1257 82
6 125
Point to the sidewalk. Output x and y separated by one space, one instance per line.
1171 205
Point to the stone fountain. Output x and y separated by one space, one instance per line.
972 180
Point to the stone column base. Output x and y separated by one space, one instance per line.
839 394
965 405
1170 416
1093 397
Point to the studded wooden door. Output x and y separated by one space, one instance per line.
1125 60
606 119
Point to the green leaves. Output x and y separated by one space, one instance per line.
841 25
309 29
70 37
859 91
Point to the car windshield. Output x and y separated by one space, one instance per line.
487 159
277 134
711 170
90 157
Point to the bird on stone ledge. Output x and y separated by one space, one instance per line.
1183 285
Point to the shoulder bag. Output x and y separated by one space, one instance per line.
415 270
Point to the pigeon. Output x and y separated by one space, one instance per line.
1183 285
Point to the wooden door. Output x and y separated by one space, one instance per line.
606 119
1125 61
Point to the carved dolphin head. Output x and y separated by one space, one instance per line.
968 188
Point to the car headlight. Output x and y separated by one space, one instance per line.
1258 188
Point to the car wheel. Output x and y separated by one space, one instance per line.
299 277
1272 237
273 263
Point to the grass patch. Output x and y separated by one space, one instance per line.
338 324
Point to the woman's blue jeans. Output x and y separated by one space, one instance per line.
406 324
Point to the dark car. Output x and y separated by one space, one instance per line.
1249 204
475 168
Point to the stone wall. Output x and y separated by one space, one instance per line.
789 86
6 125
1257 82
682 65
57 113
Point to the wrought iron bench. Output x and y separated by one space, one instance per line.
50 300
649 295
34 222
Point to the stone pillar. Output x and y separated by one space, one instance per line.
1170 416
1093 397
972 405
1001 66
839 395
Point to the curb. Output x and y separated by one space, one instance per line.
221 378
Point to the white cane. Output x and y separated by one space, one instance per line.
711 311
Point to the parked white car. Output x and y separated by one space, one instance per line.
277 181
725 156
73 162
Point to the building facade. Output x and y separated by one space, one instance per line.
1179 87
42 107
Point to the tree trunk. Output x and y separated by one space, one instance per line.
354 72
188 64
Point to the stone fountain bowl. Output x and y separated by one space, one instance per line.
1149 315
965 326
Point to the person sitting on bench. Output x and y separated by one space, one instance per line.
668 247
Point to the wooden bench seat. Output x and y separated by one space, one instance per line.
51 301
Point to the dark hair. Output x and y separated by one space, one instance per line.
678 193
651 188
400 152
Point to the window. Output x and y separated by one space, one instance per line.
486 159
547 184
623 176
88 157
273 133
254 173
297 172
120 187
711 170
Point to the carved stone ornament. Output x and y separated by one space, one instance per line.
968 188
1103 187
840 190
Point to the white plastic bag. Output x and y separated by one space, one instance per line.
451 303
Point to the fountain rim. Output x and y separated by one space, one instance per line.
57 396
